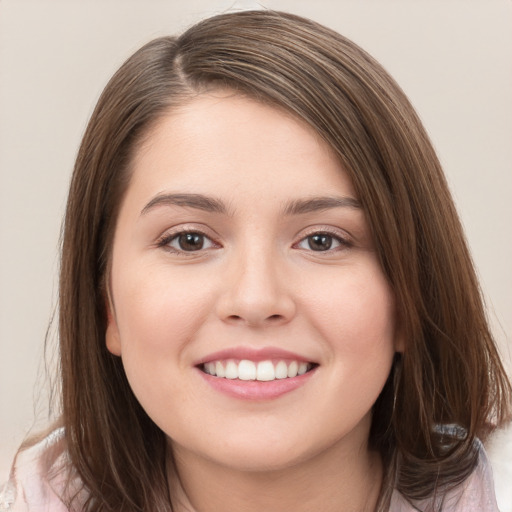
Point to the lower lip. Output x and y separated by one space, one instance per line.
255 389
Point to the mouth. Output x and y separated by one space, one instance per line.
256 374
262 371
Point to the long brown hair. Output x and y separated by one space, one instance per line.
449 373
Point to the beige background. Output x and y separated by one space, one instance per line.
453 58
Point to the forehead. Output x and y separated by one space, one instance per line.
223 140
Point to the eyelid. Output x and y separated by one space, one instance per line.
169 234
342 236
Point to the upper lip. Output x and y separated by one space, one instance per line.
252 354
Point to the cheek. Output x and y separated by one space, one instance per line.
359 326
156 322
158 313
355 315
355 309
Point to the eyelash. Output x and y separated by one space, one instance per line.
165 241
344 242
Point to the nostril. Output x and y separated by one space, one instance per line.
272 319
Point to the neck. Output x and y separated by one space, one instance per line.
334 480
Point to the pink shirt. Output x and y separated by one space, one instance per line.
31 490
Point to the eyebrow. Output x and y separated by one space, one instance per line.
212 205
315 204
197 201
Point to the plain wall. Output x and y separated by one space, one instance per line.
453 59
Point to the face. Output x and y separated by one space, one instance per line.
254 322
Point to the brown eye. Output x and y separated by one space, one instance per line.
186 241
320 242
190 241
323 242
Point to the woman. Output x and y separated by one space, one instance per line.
265 286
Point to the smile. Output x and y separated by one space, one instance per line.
256 374
263 371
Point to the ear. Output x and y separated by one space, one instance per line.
112 338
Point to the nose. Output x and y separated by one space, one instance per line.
255 292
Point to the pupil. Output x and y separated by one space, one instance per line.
191 241
320 242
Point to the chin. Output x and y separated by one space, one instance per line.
261 459
255 452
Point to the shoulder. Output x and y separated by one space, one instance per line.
475 494
40 477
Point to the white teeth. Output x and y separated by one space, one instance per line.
246 370
261 371
219 369
265 371
293 368
231 370
281 370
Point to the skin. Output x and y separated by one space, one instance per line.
256 282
